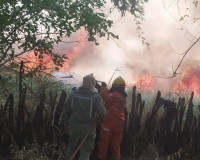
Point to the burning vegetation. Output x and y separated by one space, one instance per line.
42 62
165 127
190 80
146 83
32 101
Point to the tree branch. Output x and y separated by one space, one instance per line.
185 53
15 15
17 55
17 27
174 74
10 46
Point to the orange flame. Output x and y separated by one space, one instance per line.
146 83
72 55
32 62
189 82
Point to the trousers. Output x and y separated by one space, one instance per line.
77 134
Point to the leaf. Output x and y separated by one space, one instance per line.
38 25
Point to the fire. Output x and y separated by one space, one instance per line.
72 55
189 82
32 62
146 83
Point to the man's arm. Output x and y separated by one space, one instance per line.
104 92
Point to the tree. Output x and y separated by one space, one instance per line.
37 25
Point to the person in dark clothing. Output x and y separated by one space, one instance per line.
84 107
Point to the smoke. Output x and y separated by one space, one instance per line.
168 37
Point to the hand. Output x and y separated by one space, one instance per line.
97 86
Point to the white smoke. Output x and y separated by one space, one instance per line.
168 38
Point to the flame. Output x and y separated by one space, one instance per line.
146 83
33 62
72 55
189 82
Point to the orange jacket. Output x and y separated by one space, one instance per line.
114 104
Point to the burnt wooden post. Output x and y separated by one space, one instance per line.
181 114
137 125
20 124
59 108
57 116
130 143
188 121
127 141
175 128
168 139
21 110
38 117
6 125
22 93
10 103
21 71
150 123
180 136
196 138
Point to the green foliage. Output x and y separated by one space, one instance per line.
37 25
135 7
34 82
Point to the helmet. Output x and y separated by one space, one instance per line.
119 81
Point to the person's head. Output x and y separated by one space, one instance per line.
118 85
89 81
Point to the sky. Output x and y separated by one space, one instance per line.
168 37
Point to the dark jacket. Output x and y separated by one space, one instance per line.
84 107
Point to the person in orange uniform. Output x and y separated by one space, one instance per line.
111 132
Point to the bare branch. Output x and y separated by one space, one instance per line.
185 53
175 73
117 69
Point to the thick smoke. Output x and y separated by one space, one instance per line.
168 41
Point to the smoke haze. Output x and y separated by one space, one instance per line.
168 37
